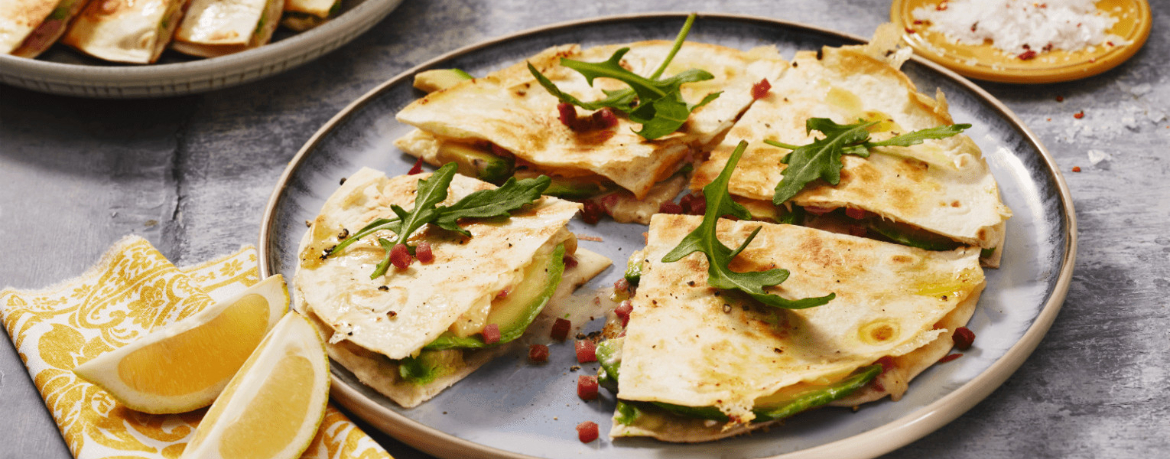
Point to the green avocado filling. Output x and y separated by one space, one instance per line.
609 356
634 270
429 365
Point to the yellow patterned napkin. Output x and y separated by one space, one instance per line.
132 290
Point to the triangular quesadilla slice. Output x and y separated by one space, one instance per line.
302 15
29 27
134 32
699 364
220 27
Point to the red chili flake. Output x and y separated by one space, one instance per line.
670 207
1049 119
587 387
586 351
538 353
1109 43
592 212
621 285
1076 168
560 329
417 169
587 431
1060 98
491 334
567 114
909 30
963 338
1027 55
623 311
759 90
1079 115
916 22
423 253
604 119
400 256
818 210
854 213
949 358
570 261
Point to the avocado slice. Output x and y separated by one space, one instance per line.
473 162
515 312
429 365
569 188
634 270
439 79
769 409
910 236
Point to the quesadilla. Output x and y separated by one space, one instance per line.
29 27
412 332
939 194
507 123
128 31
302 15
699 364
219 27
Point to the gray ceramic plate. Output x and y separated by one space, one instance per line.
511 409
64 71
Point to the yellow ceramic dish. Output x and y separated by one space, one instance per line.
985 62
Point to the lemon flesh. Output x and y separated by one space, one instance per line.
185 365
272 408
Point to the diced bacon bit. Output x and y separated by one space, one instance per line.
592 212
1076 168
601 119
1060 98
858 230
949 358
567 114
670 207
560 329
623 311
621 285
570 261
854 213
759 90
694 204
917 22
417 169
400 256
815 210
586 351
608 202
587 431
604 119
1027 55
503 294
538 353
1079 115
963 338
587 388
887 364
1047 48
491 334
909 30
423 253
500 151
941 6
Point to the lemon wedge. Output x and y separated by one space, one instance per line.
185 365
272 408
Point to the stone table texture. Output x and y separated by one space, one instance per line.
192 175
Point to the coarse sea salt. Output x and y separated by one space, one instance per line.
1017 27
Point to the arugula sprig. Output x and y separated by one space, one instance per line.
822 158
656 104
703 239
497 202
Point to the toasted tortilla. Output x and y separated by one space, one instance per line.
683 346
509 109
942 186
220 27
134 32
29 27
466 274
302 15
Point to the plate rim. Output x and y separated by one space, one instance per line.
883 439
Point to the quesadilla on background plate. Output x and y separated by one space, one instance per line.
507 123
412 332
219 27
131 31
302 15
699 364
938 195
29 27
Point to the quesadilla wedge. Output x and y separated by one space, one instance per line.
414 331
302 15
220 27
699 364
507 123
29 27
937 195
128 31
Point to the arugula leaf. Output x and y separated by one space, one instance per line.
822 158
703 239
496 202
655 104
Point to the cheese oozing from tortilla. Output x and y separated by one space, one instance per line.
941 186
508 108
397 314
688 344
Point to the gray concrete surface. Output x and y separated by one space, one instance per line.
192 174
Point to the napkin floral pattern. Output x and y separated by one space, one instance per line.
131 291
